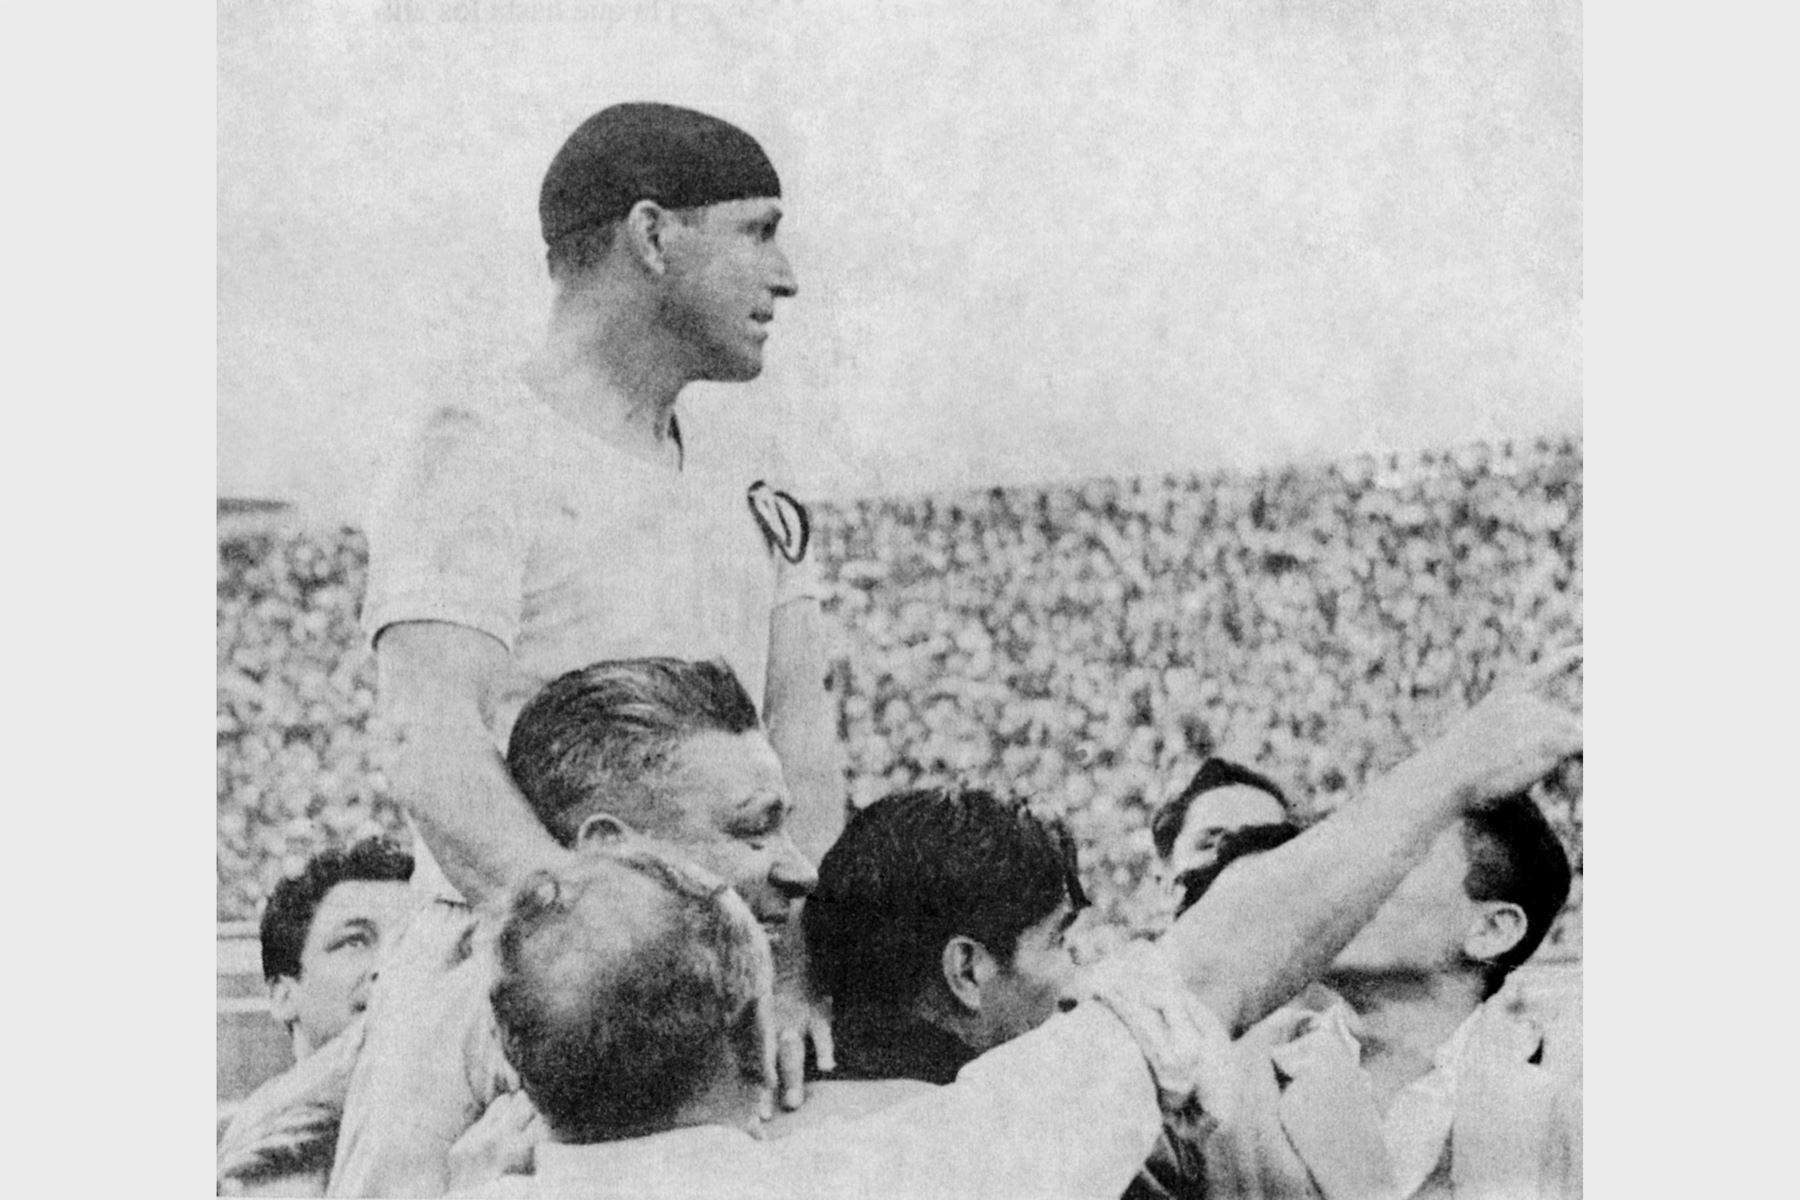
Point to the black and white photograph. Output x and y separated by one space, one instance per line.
921 600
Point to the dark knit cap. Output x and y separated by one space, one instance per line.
630 152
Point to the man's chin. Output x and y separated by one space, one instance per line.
781 922
737 369
1358 975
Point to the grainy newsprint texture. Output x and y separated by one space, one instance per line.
1110 388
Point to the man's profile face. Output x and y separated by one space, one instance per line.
353 923
1423 926
725 273
728 808
1211 816
1027 992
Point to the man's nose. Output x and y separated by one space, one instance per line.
784 283
792 875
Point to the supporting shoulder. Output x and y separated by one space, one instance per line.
829 1101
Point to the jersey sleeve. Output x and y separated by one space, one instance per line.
448 536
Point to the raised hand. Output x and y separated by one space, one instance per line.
799 1016
1517 734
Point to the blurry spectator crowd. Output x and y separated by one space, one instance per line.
1086 645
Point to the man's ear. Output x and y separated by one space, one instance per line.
284 1004
603 829
967 967
644 231
1499 927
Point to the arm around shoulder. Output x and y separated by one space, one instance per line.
801 716
438 684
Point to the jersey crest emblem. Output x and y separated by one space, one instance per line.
783 519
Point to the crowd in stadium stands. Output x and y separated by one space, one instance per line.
1084 645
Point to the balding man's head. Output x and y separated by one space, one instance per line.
630 984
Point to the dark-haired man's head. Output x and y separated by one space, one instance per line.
633 996
672 750
675 213
1477 907
322 935
1225 812
949 907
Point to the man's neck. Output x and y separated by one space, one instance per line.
608 369
881 1042
730 1105
1402 1020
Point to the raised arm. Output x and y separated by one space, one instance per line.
438 682
1274 921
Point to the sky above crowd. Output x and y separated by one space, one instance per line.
1035 241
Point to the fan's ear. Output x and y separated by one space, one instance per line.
967 967
284 1003
1498 928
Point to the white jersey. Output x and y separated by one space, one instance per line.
513 521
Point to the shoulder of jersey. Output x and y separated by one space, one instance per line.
452 429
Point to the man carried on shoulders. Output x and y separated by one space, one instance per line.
580 515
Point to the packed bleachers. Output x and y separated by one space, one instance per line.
1086 644
297 767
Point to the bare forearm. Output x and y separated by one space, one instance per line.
802 719
1275 921
478 827
811 764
